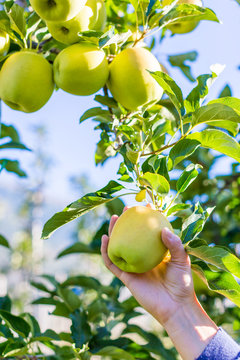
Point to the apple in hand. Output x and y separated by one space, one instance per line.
135 243
129 80
184 26
81 69
57 10
101 16
67 31
26 81
4 42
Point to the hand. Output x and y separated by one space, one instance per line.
167 293
165 288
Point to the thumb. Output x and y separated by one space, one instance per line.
175 246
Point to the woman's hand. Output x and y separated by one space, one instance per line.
167 293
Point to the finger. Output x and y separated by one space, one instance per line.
108 263
112 223
175 246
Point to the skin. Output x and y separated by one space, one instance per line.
23 75
167 293
101 17
57 10
142 249
130 82
185 26
4 43
67 31
81 69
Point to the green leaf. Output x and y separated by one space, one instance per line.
220 281
9 131
123 171
18 348
231 102
78 248
187 177
18 22
182 150
178 207
81 207
5 303
16 323
226 91
12 166
106 100
87 282
4 242
81 331
14 145
132 155
171 89
230 126
215 255
187 12
70 299
156 164
215 112
115 353
199 93
156 182
180 61
97 111
219 141
194 224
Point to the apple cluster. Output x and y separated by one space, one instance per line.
81 68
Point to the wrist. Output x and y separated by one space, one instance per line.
190 329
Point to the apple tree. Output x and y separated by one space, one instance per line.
164 145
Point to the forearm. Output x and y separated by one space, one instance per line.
190 330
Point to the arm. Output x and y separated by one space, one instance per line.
167 293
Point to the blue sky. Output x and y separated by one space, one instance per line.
72 145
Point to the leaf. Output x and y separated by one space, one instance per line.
14 145
171 89
97 111
187 12
182 150
115 353
156 182
87 282
220 281
194 224
230 126
150 6
71 300
81 207
106 100
178 207
215 255
226 91
215 112
180 61
9 131
16 323
198 94
81 331
12 166
78 248
4 242
123 171
156 164
231 102
18 22
187 177
5 303
219 141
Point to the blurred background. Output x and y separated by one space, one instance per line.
60 168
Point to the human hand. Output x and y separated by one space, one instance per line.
165 288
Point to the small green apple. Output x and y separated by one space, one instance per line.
135 243
26 81
57 10
67 31
81 69
101 16
130 82
4 43
183 27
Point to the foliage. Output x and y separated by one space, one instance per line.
165 150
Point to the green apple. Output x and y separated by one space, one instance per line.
4 42
183 27
67 31
26 81
81 69
57 10
135 244
101 16
130 82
